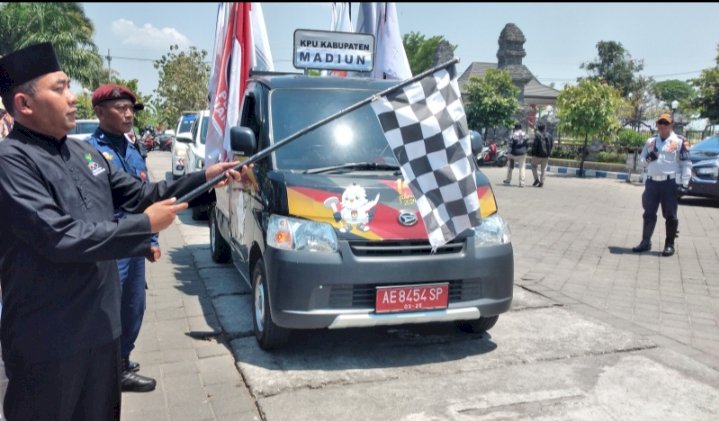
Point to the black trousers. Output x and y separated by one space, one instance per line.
83 387
660 192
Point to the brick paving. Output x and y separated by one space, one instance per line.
572 241
573 237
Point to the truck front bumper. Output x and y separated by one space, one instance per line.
321 290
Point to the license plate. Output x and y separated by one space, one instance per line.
411 298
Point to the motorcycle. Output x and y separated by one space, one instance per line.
492 155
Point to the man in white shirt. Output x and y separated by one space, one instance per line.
666 157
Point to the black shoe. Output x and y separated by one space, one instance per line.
540 184
133 382
668 248
133 366
535 183
645 245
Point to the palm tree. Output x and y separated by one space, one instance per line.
63 24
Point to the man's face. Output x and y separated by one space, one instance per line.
51 109
116 116
665 129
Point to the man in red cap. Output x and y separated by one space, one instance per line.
115 107
666 157
59 238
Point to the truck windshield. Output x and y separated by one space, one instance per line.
354 137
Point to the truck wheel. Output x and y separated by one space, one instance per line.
480 325
219 248
268 334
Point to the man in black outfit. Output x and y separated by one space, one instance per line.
541 151
58 244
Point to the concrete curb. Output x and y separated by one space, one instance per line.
572 171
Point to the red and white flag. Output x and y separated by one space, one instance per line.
235 54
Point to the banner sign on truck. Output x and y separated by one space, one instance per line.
329 50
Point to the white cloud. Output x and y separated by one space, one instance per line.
148 36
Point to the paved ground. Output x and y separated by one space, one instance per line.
572 240
181 344
596 332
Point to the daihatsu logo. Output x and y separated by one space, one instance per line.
407 218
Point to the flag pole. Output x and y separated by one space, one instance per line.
263 153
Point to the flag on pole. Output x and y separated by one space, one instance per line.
341 22
261 54
426 127
237 49
380 19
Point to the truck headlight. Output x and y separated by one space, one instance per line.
493 231
296 234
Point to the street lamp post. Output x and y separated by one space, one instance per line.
675 105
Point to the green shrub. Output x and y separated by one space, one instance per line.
562 152
613 157
629 139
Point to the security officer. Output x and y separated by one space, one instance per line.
58 241
115 107
666 157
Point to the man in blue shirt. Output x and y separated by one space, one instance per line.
115 107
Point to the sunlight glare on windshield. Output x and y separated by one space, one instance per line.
343 135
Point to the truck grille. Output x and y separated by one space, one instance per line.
363 296
402 248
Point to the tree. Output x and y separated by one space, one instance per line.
589 109
422 52
707 99
639 100
63 24
671 90
183 83
83 104
491 100
615 66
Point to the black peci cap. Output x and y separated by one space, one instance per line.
25 65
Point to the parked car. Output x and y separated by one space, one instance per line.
179 149
195 160
705 168
83 128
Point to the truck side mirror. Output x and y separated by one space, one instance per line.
476 141
242 141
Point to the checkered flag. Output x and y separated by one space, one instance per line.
426 127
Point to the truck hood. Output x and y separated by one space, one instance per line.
366 207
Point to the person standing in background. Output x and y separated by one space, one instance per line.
666 158
518 145
115 107
541 151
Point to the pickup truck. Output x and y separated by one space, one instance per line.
326 231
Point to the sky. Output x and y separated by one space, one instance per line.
674 40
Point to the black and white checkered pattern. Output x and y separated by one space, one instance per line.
426 128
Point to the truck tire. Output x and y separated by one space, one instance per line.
480 325
269 336
219 249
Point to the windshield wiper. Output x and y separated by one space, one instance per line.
352 166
